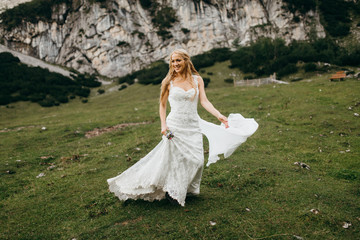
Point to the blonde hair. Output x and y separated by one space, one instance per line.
189 71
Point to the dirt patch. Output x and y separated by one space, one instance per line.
99 131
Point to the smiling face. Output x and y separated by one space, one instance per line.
178 63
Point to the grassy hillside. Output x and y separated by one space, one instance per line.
258 193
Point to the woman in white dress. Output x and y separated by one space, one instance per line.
174 167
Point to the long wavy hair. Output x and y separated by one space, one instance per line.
189 71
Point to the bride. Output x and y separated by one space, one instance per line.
174 167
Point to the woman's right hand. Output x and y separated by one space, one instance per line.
164 129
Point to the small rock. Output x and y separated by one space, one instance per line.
40 175
346 225
350 108
135 109
109 143
247 209
298 237
347 150
137 149
341 151
303 165
44 128
356 114
320 90
62 176
315 211
18 160
212 223
51 167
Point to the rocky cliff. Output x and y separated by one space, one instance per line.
118 36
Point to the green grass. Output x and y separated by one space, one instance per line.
305 121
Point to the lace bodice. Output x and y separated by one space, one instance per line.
183 103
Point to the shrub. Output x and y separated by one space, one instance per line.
146 3
129 79
288 69
210 73
185 30
249 77
336 16
206 82
310 67
84 100
101 91
123 44
229 80
122 87
47 102
153 75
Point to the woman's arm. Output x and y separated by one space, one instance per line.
162 112
208 105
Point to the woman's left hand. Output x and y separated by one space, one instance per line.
224 120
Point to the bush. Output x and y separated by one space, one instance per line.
101 91
129 79
206 82
288 69
249 77
48 102
153 75
84 100
336 16
185 30
302 6
310 67
35 84
32 11
229 80
122 87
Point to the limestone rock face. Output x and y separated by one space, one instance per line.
120 37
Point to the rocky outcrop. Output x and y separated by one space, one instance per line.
118 37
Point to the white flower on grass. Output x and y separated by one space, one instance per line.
43 128
212 223
346 225
315 211
40 175
298 237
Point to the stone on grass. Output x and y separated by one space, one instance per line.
212 223
40 175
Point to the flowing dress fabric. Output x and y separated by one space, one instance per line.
175 166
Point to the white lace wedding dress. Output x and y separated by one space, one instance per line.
175 166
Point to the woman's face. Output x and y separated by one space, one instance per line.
178 63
